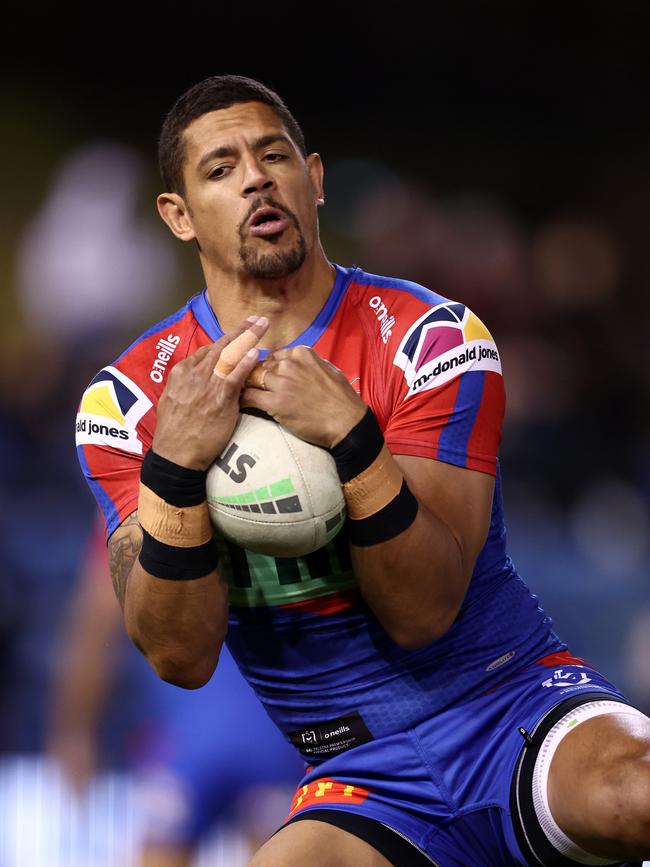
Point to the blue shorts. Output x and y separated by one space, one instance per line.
204 751
446 784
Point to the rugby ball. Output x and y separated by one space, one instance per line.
273 493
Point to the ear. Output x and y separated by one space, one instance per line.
316 172
176 214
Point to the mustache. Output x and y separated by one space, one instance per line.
266 202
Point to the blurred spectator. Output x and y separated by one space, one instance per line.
87 266
575 263
88 263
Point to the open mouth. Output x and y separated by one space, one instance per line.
268 221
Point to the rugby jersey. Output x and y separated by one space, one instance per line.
321 663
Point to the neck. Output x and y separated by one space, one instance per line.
290 303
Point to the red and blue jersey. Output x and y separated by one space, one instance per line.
318 659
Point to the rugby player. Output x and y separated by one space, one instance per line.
440 718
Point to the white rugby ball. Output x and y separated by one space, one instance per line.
273 493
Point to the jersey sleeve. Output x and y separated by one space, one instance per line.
447 390
114 430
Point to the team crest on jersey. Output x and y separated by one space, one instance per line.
110 410
444 342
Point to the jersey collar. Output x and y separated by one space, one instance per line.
206 318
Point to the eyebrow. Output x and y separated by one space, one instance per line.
229 151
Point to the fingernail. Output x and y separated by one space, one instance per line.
251 319
262 320
251 353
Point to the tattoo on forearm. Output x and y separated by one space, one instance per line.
123 549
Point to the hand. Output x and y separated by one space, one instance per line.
198 409
308 396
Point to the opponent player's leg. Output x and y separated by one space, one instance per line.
318 843
599 785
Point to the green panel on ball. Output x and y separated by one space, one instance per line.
279 489
256 580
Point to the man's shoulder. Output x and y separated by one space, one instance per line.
115 405
425 339
406 312
398 290
150 355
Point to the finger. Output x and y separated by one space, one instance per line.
300 354
286 366
258 399
328 365
257 376
200 354
234 382
235 351
279 355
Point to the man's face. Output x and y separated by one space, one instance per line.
250 195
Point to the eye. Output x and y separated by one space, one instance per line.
274 157
219 172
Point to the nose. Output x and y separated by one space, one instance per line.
255 178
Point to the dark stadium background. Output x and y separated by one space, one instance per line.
497 152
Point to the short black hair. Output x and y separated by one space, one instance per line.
211 94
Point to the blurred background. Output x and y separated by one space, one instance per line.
499 154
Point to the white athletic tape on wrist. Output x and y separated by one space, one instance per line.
556 735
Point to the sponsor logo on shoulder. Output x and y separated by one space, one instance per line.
385 321
166 347
110 410
443 343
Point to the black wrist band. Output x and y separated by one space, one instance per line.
393 519
176 485
181 487
177 564
359 448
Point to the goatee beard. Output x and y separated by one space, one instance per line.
273 265
277 264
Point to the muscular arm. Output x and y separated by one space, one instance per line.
416 582
123 549
180 626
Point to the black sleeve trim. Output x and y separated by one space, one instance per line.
389 843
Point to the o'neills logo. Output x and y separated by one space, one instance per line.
339 731
166 347
386 322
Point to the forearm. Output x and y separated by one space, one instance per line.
416 527
415 582
179 626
